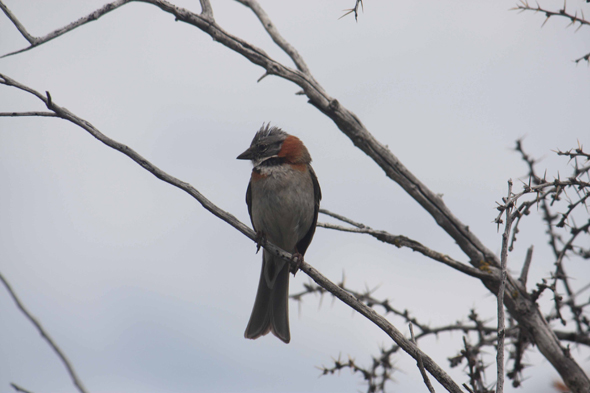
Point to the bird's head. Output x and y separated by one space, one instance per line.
270 142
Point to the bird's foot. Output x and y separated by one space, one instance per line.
260 240
298 259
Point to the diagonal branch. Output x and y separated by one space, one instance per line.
421 365
32 40
401 241
46 336
273 32
36 41
19 388
340 293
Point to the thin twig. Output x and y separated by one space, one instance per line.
273 32
503 263
525 267
420 364
36 41
24 114
342 218
17 24
45 335
485 273
206 9
19 388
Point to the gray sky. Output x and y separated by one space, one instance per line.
146 291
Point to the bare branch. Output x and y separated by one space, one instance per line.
36 41
504 262
43 333
525 267
420 364
573 337
273 32
342 218
19 389
17 23
206 9
486 272
25 114
340 293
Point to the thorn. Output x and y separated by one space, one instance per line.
349 11
262 77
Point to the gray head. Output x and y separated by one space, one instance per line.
266 143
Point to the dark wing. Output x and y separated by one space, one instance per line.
317 195
249 202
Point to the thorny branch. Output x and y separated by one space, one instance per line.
510 208
354 10
561 227
381 368
475 367
574 18
562 230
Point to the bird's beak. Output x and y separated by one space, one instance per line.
247 155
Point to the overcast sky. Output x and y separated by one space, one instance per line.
146 291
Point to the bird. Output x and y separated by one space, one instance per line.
283 199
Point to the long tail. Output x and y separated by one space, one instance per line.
271 307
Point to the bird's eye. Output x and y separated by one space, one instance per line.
262 148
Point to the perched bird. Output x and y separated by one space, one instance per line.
283 200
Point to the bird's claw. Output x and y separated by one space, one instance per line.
260 240
298 259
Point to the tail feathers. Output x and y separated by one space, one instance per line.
279 307
271 307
